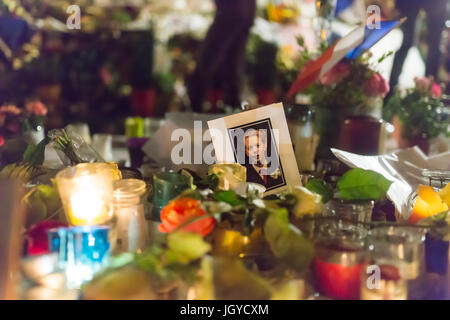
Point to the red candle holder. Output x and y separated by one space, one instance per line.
340 256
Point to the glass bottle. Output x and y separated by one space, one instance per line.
130 229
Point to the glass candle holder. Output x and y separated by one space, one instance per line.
166 186
301 118
57 242
86 193
402 247
87 253
350 211
134 127
382 284
130 229
340 256
134 146
361 135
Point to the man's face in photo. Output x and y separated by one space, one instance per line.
256 145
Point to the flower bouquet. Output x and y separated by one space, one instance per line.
351 88
416 113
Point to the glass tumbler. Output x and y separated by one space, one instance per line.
350 211
402 247
166 186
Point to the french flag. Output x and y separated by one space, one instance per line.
350 46
352 11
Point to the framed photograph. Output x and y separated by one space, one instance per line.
259 140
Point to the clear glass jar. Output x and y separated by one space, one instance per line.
129 233
350 211
382 282
340 256
402 247
436 178
301 118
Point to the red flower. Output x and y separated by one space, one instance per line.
376 86
37 108
2 141
37 237
335 74
179 212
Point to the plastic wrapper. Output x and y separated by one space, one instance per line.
71 148
404 168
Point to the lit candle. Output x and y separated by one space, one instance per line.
339 259
86 193
86 204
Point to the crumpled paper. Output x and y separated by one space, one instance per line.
159 147
403 167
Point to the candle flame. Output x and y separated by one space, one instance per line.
86 206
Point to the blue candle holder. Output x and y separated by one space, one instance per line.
57 243
83 251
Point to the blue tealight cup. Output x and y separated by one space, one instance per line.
83 251
57 243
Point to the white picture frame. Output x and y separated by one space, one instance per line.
273 134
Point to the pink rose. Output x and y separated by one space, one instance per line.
2 141
335 74
436 91
37 108
376 86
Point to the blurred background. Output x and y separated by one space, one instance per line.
136 57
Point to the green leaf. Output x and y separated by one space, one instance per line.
35 155
359 184
321 187
229 197
287 242
233 281
185 247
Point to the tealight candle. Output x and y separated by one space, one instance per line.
86 193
